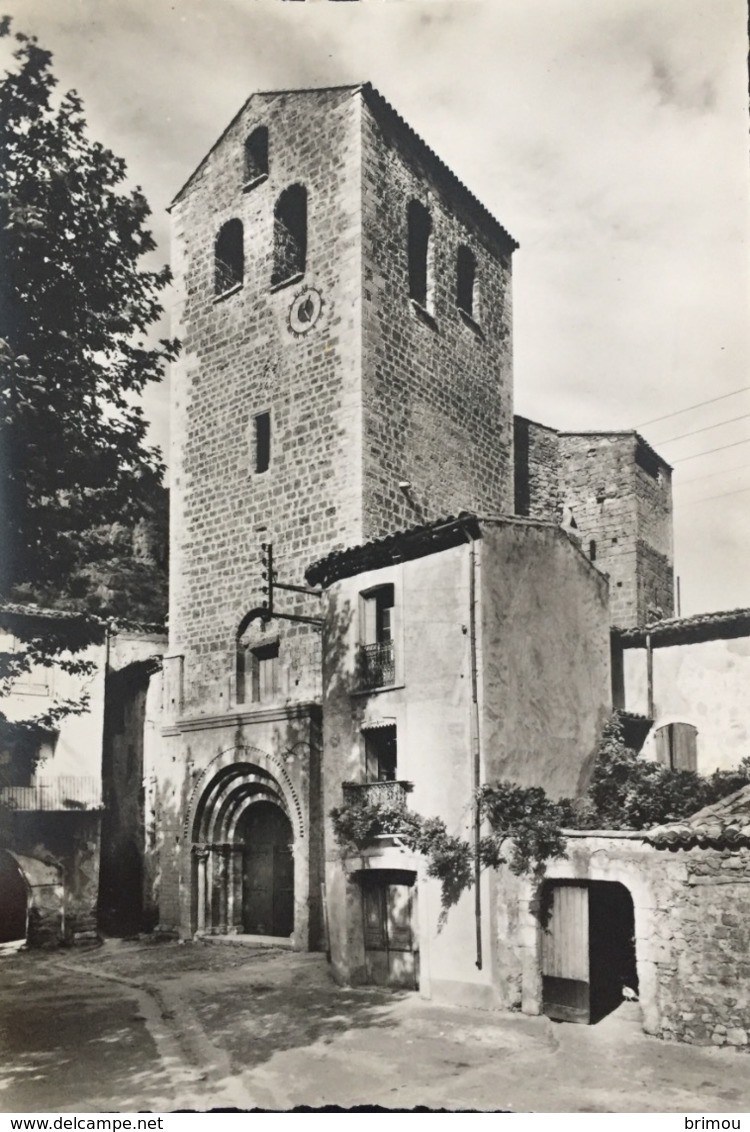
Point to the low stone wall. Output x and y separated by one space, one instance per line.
692 934
705 989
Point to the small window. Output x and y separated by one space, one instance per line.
592 550
264 661
289 236
256 156
420 254
677 746
229 261
262 442
466 273
377 654
257 672
380 754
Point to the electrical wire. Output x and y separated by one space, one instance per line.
698 405
708 451
712 475
708 498
706 428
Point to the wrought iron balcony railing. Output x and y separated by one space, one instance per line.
67 792
377 665
377 793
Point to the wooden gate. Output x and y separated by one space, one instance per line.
565 953
391 957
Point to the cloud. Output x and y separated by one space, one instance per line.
685 92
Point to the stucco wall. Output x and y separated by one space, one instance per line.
545 663
542 650
703 683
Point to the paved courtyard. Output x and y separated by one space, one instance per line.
139 1025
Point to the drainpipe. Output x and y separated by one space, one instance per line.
475 745
650 675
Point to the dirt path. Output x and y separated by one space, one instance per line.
158 1027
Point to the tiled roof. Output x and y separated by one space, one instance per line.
721 625
10 610
726 822
381 106
398 547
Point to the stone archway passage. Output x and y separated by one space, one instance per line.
588 949
243 861
268 870
13 900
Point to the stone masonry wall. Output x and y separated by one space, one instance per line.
692 934
240 358
536 452
705 989
620 495
437 388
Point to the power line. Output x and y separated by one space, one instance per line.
698 405
708 451
708 498
712 475
706 428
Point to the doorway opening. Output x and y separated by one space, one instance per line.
265 833
13 901
588 949
389 916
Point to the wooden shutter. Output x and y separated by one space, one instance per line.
684 746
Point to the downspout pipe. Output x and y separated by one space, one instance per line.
475 743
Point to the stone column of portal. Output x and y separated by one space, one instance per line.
201 855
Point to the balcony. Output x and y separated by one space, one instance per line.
377 793
377 666
68 793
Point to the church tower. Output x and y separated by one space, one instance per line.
344 307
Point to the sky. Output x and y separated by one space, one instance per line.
608 136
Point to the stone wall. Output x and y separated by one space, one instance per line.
437 386
537 487
691 934
242 357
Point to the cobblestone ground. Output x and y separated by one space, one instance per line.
144 1026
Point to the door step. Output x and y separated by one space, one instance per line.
249 940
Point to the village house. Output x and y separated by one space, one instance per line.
53 821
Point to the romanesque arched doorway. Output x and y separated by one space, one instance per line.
265 833
243 859
13 900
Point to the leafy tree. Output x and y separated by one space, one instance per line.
630 792
76 307
78 303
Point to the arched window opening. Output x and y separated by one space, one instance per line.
676 746
289 236
592 550
466 278
256 156
420 254
229 258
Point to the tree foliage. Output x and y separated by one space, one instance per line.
628 791
76 308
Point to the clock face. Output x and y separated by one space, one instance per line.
305 310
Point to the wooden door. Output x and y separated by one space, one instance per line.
565 954
268 871
390 951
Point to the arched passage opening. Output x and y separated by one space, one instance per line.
13 900
243 859
588 949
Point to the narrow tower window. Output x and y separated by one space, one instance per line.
229 259
466 274
420 253
592 550
256 156
262 442
289 236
